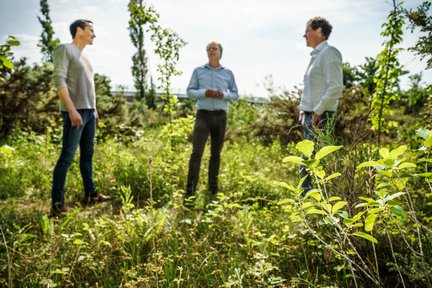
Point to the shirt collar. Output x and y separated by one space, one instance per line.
319 48
209 67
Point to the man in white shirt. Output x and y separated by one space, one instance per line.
323 85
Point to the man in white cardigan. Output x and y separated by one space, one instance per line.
322 85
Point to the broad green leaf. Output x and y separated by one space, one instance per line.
389 162
316 211
285 185
382 185
399 184
326 150
343 214
314 194
307 205
306 147
334 175
381 193
366 236
386 173
334 198
369 164
425 160
326 206
350 221
398 211
407 165
375 210
427 174
6 62
423 133
338 205
358 216
285 201
370 222
12 41
371 204
312 163
293 159
428 142
367 199
398 151
320 174
384 152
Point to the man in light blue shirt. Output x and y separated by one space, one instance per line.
213 86
323 85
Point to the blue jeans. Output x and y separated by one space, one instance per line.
328 119
213 123
84 136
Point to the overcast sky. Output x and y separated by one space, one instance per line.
260 38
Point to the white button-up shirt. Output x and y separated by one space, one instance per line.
323 81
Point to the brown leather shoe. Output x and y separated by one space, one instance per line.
58 212
91 199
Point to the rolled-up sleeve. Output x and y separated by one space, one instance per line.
61 64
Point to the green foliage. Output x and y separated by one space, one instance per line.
388 216
279 118
421 18
241 237
27 98
388 72
6 54
141 15
47 43
416 97
366 223
144 19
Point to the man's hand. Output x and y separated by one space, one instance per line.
209 93
75 118
216 94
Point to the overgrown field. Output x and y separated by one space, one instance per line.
367 224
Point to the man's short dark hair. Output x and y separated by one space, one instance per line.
82 23
320 22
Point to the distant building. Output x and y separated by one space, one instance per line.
182 96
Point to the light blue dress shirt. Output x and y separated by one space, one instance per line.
220 78
323 81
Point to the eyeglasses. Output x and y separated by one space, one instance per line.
212 49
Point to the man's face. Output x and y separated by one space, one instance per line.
213 51
313 37
87 34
